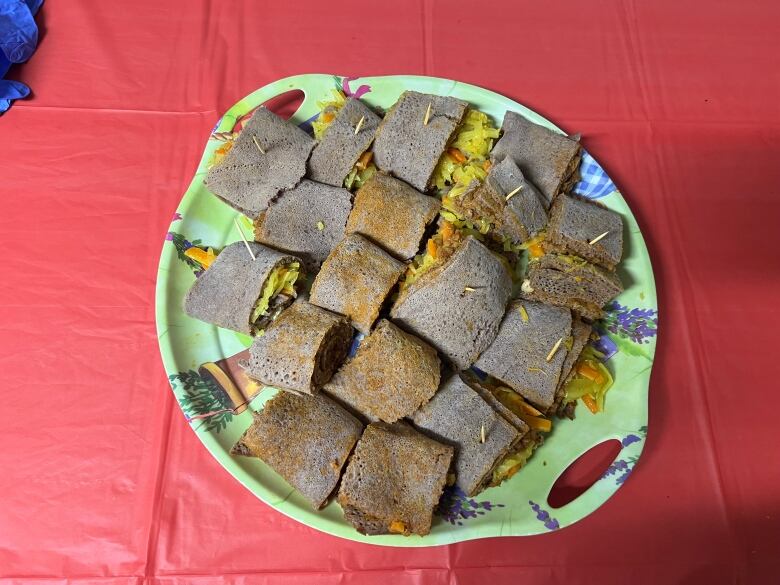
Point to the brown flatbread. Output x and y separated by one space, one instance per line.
390 376
305 439
354 281
392 214
301 349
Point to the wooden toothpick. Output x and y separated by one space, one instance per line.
360 124
513 193
468 289
554 350
597 238
257 144
482 433
427 114
243 237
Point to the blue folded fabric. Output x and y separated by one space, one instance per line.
18 40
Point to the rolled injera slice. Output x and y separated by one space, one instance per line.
355 280
524 213
333 158
307 220
301 349
247 179
390 376
517 218
519 354
225 295
392 214
567 281
458 305
458 416
575 222
409 149
580 333
305 439
483 389
394 480
548 159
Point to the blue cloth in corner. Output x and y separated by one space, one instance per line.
18 40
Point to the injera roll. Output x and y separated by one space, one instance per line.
392 374
517 356
305 439
456 416
567 282
226 293
301 349
294 217
519 218
459 323
410 150
575 221
246 179
354 281
394 480
392 214
333 158
548 159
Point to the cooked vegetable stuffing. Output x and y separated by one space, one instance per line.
512 464
328 110
530 415
201 256
466 158
359 175
437 249
281 281
591 380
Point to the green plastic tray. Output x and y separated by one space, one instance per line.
519 506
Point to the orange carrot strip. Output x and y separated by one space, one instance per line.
364 159
589 372
456 154
202 257
529 409
535 251
538 423
590 403
432 248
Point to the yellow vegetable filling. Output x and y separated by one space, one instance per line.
280 281
512 464
358 176
591 380
363 169
467 157
328 111
531 416
438 248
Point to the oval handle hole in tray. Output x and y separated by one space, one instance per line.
286 104
582 473
283 105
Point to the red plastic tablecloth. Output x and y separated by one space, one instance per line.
102 481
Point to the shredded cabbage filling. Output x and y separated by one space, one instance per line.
591 380
281 281
467 157
328 111
512 464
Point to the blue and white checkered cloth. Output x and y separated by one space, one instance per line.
594 183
